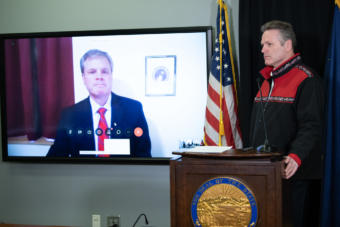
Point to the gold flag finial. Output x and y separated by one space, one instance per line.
337 2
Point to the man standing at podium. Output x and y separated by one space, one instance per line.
291 102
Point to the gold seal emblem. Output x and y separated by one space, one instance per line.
224 202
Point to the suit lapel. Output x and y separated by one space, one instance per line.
116 112
85 119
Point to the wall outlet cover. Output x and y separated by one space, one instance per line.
113 221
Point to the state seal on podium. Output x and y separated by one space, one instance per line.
224 201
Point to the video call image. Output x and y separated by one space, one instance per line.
157 86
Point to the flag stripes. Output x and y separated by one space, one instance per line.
222 126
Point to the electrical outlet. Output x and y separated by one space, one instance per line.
113 221
95 220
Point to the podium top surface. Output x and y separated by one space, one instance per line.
230 154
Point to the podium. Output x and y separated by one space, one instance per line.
257 175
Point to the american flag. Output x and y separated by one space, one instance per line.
221 126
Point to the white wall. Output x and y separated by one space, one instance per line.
68 194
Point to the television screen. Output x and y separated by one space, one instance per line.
115 95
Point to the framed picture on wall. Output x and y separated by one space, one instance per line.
160 75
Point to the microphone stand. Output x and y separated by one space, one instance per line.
265 148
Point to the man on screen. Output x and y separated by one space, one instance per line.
104 115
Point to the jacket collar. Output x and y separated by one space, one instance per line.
268 72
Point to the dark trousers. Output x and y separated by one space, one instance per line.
301 203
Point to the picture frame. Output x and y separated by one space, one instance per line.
160 75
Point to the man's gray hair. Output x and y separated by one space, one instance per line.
93 53
285 29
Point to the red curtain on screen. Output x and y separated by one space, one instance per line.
18 87
39 83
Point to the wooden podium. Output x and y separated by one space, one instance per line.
259 171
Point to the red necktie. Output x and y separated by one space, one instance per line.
103 126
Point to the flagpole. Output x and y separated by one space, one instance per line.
231 50
221 130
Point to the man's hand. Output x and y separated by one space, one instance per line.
288 167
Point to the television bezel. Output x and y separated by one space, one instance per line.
97 160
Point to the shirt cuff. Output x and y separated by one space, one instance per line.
296 158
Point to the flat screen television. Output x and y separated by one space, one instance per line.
52 83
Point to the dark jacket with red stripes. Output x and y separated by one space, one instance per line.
294 114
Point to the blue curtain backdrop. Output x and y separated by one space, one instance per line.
331 193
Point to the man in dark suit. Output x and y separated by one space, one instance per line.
103 115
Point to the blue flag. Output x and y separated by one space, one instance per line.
331 191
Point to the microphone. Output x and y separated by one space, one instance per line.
266 148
